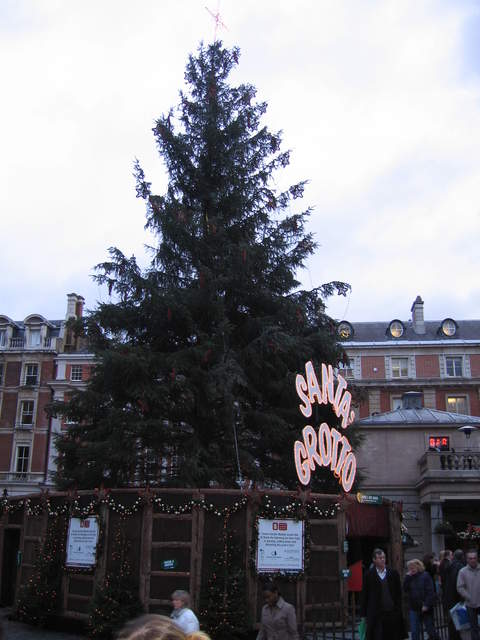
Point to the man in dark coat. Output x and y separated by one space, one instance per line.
381 601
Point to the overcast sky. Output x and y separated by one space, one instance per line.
379 102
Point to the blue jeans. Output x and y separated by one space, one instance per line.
473 619
416 618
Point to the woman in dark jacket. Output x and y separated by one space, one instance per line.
418 585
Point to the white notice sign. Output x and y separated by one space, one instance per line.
280 545
82 542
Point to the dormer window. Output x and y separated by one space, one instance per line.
396 329
449 327
344 330
34 338
3 337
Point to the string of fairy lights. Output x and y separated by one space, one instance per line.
75 508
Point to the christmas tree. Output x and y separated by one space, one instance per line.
38 597
197 354
224 608
115 601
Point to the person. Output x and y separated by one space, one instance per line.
418 585
182 615
445 557
279 620
450 595
468 586
381 601
156 627
431 565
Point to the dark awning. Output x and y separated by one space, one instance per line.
365 520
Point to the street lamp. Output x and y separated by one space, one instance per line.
467 429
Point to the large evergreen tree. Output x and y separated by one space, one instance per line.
197 354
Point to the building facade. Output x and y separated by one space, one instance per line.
423 458
37 356
439 358
421 384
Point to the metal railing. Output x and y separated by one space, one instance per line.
338 624
20 476
21 343
17 343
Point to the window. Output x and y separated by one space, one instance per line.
26 412
1 373
34 338
457 404
399 367
396 402
449 327
21 464
150 466
31 374
169 466
453 366
396 329
439 443
346 370
345 330
76 373
3 337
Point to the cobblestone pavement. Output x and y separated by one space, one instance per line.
13 630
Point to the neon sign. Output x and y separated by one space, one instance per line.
327 446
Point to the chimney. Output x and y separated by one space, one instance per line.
418 321
74 306
79 306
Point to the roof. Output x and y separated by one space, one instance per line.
419 417
378 332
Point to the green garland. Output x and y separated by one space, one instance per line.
34 507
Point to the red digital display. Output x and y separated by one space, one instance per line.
439 442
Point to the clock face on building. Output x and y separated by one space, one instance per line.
449 327
396 329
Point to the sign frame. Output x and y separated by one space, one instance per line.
85 555
267 530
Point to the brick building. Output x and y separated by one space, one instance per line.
39 358
438 358
422 381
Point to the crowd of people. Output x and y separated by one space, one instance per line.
278 621
452 578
